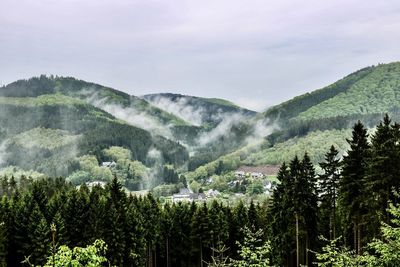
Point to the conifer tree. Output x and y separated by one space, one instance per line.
383 173
328 183
281 214
351 186
39 237
309 207
201 234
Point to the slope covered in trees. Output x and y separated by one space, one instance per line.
290 109
346 203
206 112
49 132
138 231
371 90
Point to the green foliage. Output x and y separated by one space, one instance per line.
376 92
89 164
165 190
44 138
253 252
333 255
222 102
328 188
315 143
90 256
18 172
293 107
382 252
255 188
118 154
79 177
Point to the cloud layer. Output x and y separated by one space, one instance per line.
256 53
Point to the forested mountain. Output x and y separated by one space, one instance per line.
49 125
56 125
371 90
96 124
206 112
313 121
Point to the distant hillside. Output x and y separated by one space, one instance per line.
295 106
46 124
314 121
364 95
94 93
199 111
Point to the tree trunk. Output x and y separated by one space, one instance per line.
297 241
359 239
150 256
334 219
167 251
355 235
201 253
307 246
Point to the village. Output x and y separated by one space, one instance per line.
264 175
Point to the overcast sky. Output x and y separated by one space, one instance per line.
256 53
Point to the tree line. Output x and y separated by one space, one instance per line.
138 230
347 202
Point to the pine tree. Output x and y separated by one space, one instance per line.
328 183
39 237
383 173
281 213
351 186
115 222
135 244
151 213
182 217
201 234
309 209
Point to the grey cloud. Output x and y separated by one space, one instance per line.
269 51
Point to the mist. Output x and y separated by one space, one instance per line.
131 114
181 109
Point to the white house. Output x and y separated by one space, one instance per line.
109 164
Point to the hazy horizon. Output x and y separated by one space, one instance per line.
254 54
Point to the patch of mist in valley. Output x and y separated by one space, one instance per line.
3 152
156 161
130 114
180 108
22 143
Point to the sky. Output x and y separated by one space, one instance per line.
256 53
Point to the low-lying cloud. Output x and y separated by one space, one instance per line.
181 109
130 114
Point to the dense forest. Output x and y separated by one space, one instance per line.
346 215
139 231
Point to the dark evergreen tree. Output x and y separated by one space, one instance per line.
352 195
281 216
39 237
201 234
328 183
307 194
383 174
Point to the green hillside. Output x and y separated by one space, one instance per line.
364 95
209 111
372 90
48 133
295 106
219 101
377 92
314 121
316 144
89 92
